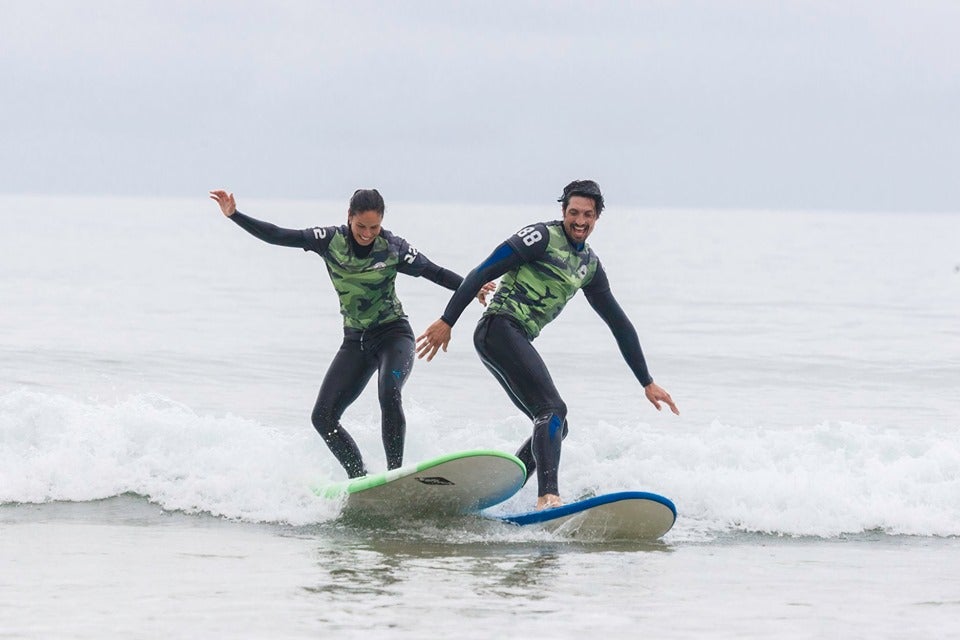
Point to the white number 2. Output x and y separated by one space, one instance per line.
530 236
411 255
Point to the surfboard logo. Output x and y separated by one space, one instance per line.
435 480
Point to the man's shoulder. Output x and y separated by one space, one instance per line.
532 240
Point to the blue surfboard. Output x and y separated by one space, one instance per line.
626 515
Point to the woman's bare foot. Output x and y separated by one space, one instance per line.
548 501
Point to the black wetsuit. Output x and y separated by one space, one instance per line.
543 269
377 336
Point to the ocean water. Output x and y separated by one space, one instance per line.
158 366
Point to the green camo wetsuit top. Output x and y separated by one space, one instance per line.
542 270
535 292
365 285
364 277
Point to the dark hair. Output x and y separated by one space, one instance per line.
366 200
585 188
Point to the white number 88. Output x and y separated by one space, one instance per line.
530 236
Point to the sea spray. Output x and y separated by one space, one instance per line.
826 479
57 448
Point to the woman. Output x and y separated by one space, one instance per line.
363 260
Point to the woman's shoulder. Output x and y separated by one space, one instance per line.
393 240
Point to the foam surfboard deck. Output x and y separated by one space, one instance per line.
626 515
452 484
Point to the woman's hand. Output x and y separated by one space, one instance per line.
228 204
486 290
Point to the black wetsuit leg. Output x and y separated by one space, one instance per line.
388 349
507 352
393 347
345 379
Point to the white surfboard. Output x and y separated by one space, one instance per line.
626 515
452 484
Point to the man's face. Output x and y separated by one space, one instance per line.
579 218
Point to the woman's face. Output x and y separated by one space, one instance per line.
365 226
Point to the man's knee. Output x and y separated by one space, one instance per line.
556 408
553 420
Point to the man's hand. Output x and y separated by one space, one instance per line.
657 394
436 336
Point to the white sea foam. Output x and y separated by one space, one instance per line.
822 480
57 448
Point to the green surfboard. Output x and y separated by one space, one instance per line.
452 484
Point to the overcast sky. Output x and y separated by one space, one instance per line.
756 104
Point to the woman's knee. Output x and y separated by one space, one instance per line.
390 396
324 419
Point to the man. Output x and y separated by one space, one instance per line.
543 266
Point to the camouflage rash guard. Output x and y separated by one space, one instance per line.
536 291
542 270
362 276
365 285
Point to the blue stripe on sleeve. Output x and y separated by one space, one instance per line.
503 251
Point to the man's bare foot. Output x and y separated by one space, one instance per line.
548 501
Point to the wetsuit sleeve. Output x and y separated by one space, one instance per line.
318 238
414 263
600 297
305 239
500 261
443 277
526 245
